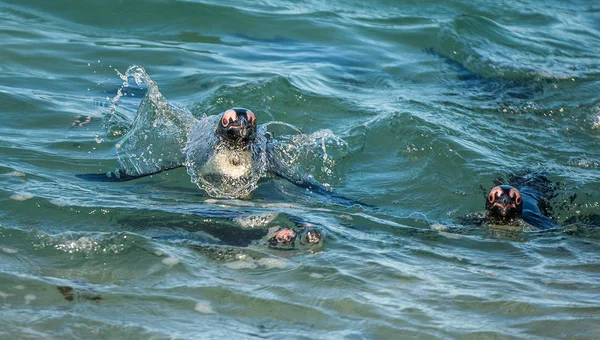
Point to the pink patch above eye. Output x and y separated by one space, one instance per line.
251 117
228 116
285 235
514 194
495 192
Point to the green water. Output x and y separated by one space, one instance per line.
434 99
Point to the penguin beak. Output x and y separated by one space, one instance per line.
504 204
242 129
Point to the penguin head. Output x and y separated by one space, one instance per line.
504 203
237 125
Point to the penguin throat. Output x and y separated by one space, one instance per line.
231 162
235 143
496 218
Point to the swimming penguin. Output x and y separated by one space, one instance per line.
227 150
524 203
226 154
225 145
520 204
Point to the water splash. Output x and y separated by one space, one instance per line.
309 156
117 121
158 133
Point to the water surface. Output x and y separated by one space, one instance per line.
434 99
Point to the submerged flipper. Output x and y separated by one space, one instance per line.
119 175
319 189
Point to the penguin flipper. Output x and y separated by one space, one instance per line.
319 189
119 175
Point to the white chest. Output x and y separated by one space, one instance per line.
230 163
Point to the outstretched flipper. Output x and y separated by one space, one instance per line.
317 188
119 175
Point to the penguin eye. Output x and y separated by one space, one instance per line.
491 197
228 116
251 117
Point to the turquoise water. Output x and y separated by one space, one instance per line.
434 99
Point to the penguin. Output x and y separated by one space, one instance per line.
524 203
225 154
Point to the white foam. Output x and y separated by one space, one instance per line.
170 261
21 197
57 203
256 220
270 262
83 244
16 174
451 235
9 250
241 265
4 295
439 227
204 307
29 297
